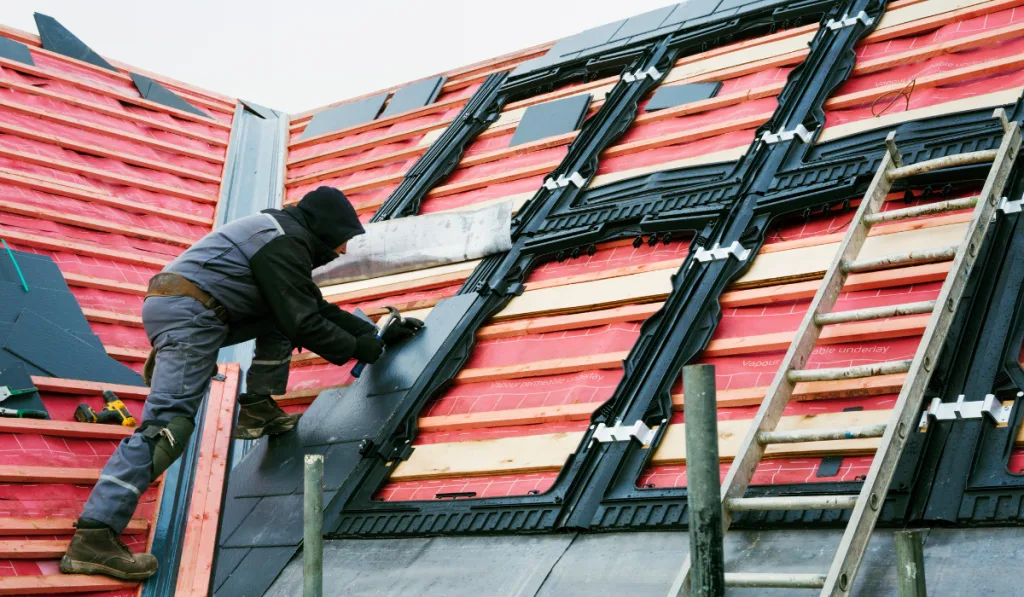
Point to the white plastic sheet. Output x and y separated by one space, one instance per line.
417 242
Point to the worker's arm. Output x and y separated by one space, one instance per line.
345 320
282 270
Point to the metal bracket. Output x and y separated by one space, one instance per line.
623 433
950 411
641 74
783 135
1011 207
717 252
848 21
563 181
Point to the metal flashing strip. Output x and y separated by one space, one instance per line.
961 409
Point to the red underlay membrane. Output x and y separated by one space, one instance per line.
921 98
584 387
58 500
609 257
104 213
946 33
405 298
614 337
93 266
122 336
53 230
720 117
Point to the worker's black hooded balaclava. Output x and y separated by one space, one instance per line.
327 213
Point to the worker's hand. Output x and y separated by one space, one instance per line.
401 330
368 348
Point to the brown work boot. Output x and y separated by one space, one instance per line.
100 551
260 415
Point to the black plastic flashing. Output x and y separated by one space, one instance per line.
15 50
57 38
602 52
445 153
354 510
155 91
564 221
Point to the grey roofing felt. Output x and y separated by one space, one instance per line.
957 562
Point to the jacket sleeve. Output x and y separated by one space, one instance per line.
345 320
283 271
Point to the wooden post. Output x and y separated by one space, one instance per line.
313 522
703 482
910 564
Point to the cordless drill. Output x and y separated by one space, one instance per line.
114 412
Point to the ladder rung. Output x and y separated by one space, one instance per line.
899 259
801 375
874 313
921 210
774 579
796 436
950 161
793 502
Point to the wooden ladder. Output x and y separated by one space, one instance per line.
762 433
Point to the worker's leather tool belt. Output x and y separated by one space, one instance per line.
166 284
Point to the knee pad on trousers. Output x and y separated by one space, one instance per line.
166 441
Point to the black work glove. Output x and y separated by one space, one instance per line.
401 330
368 348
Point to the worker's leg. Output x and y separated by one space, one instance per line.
186 337
259 414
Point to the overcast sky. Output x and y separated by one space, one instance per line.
294 55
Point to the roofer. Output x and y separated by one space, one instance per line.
251 279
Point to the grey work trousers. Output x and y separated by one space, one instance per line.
186 336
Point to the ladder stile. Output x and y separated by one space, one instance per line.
906 410
781 390
866 506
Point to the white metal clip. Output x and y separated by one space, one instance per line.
718 252
949 411
1011 207
623 433
800 131
564 181
641 74
848 21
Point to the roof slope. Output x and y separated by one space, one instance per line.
111 187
